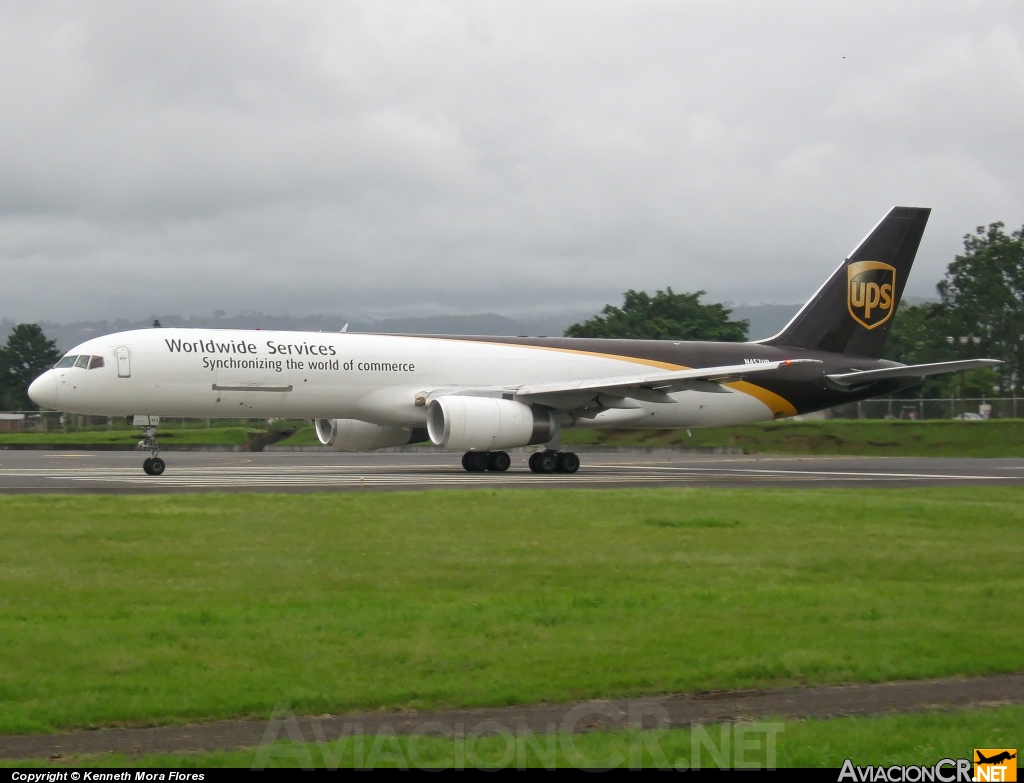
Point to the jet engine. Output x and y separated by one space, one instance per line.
354 435
487 424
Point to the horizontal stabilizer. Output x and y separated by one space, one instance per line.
910 371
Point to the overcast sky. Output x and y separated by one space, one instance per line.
515 157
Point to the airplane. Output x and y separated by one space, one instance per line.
483 394
996 759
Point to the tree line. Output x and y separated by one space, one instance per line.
27 355
980 314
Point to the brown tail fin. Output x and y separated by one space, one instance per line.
853 311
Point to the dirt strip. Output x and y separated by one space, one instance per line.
674 710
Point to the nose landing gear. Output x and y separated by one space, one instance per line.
152 465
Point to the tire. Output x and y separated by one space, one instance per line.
547 462
146 466
476 461
498 461
157 467
465 462
533 462
568 462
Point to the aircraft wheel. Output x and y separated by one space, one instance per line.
498 461
157 466
568 462
546 462
476 461
147 466
533 462
465 460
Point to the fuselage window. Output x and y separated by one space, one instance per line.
83 361
95 361
67 361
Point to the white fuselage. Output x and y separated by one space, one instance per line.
372 378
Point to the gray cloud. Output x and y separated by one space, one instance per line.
515 157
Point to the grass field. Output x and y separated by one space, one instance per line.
195 436
249 438
870 437
145 610
304 436
993 438
892 739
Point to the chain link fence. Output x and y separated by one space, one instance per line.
928 409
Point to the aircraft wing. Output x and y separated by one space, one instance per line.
910 371
654 386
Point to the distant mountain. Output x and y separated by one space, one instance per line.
765 321
70 335
484 323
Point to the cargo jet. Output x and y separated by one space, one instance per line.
482 395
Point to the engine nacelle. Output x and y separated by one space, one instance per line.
487 423
354 435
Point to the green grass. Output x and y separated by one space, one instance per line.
145 610
304 436
993 438
192 436
887 740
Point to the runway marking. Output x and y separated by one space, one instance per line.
788 472
62 472
304 470
253 475
313 473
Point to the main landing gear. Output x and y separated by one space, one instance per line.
479 461
549 461
153 465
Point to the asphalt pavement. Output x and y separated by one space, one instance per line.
121 472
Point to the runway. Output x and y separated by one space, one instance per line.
121 472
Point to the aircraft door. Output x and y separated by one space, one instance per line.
124 366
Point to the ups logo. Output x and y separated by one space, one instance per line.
869 293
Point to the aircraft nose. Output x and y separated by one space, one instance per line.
43 391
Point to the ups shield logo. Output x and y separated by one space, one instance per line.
871 287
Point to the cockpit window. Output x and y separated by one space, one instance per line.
83 361
67 361
95 361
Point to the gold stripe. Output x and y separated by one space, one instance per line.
779 406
